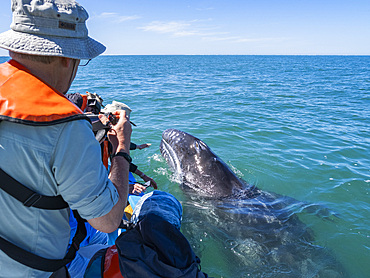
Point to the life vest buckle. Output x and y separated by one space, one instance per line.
32 200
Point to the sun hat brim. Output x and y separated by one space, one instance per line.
26 43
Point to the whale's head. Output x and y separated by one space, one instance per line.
197 165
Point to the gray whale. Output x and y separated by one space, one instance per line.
261 230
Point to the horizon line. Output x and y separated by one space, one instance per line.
2 56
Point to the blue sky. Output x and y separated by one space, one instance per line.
293 27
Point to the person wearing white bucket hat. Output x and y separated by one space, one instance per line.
50 28
45 139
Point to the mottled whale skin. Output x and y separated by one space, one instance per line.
261 230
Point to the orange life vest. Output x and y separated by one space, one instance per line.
26 99
84 102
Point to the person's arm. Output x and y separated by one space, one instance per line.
133 168
146 178
143 146
133 146
119 136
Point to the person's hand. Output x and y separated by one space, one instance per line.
152 182
120 134
138 188
143 146
103 118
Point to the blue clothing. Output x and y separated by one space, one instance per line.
94 241
60 159
131 178
154 246
159 203
94 237
113 235
83 256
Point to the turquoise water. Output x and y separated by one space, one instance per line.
295 125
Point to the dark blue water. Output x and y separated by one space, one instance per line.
294 125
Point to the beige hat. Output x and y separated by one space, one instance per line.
50 28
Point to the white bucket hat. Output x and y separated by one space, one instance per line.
115 106
50 28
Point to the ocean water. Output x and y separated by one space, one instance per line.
298 126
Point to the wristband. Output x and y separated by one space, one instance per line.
125 155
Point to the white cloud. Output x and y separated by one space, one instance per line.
127 18
205 9
176 28
115 17
258 39
182 28
199 29
209 38
238 39
106 15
